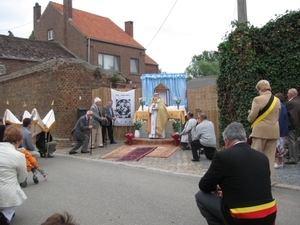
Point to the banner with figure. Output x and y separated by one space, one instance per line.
123 105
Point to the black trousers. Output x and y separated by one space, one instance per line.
208 151
110 133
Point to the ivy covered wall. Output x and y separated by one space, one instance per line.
249 54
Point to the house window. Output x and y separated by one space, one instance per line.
50 35
134 66
109 62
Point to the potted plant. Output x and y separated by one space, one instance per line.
137 126
177 101
142 102
176 127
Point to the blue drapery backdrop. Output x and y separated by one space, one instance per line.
175 82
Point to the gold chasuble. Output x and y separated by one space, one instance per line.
161 118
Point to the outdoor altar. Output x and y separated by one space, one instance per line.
174 113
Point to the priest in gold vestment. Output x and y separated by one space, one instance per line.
158 117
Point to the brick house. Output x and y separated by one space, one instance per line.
95 39
38 72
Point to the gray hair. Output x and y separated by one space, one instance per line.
89 112
235 131
203 116
97 100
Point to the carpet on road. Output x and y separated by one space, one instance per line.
163 151
136 154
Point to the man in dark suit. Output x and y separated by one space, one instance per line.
45 144
2 129
293 109
81 126
109 114
233 191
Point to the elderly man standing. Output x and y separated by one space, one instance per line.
185 135
96 122
205 137
233 191
81 126
27 138
293 109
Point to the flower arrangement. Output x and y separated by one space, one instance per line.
138 123
177 101
142 102
175 125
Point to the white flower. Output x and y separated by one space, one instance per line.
138 123
142 100
177 100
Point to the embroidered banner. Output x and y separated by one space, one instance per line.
123 105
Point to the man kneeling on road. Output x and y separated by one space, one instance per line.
233 191
205 137
81 126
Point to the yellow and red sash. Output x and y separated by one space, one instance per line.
254 212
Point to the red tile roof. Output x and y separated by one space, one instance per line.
99 27
149 60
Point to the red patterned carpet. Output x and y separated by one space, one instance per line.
136 154
162 151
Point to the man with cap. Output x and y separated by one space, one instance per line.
81 126
96 122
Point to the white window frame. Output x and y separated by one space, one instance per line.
50 35
109 62
134 66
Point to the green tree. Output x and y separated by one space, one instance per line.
31 37
10 34
205 64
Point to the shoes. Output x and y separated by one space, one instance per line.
114 142
35 176
42 154
24 184
290 162
72 152
85 151
278 166
93 147
195 160
3 220
50 156
101 146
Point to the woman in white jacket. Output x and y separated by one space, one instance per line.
12 173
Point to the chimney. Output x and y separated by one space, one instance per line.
67 17
36 14
129 28
68 9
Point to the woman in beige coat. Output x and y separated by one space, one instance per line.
12 173
264 116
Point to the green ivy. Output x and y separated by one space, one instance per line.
249 54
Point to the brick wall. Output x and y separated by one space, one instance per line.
12 65
69 82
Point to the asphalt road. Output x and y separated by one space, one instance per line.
97 192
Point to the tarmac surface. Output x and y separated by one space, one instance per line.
180 162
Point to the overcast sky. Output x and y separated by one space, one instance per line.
172 31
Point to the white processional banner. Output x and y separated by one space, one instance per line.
124 107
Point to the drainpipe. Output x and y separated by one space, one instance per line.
89 49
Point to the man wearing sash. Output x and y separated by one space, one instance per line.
264 115
233 191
